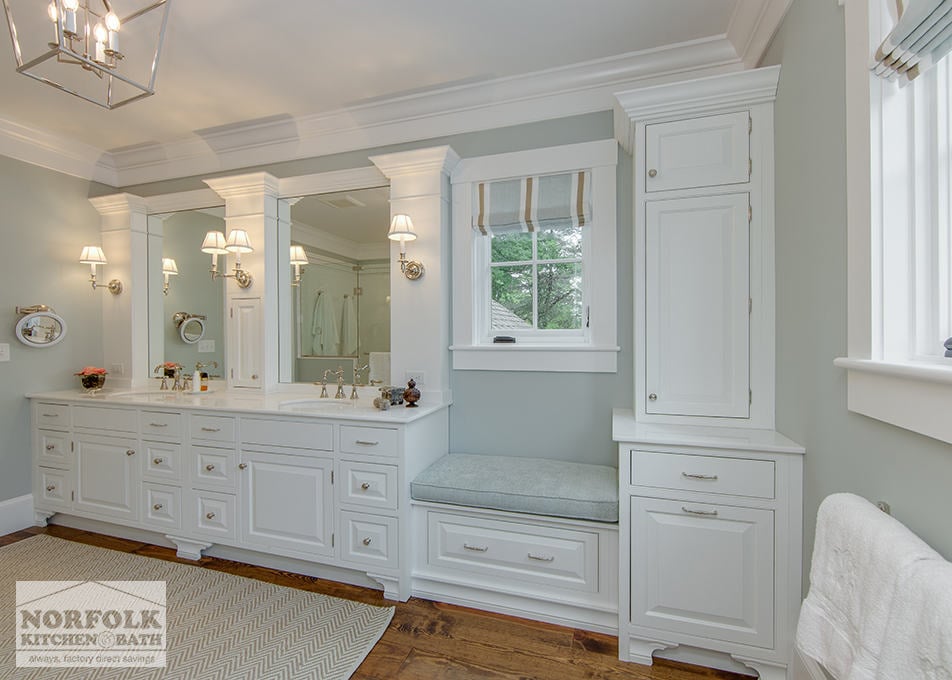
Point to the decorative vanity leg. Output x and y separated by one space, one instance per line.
187 549
40 517
640 651
391 587
767 670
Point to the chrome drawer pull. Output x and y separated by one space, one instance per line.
50 415
130 452
158 424
210 515
51 487
476 548
50 447
542 558
211 429
366 541
363 443
209 467
694 476
157 507
708 513
157 461
365 486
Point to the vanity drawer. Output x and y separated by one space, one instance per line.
212 428
315 436
105 419
55 416
162 462
369 539
374 441
706 474
161 424
213 468
514 551
368 484
52 489
53 449
162 506
213 514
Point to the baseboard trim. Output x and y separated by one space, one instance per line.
16 514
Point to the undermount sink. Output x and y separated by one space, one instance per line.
318 405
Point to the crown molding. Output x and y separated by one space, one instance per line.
752 27
330 182
183 200
60 154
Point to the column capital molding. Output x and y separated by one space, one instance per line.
419 161
238 186
115 204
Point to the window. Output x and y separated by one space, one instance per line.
534 260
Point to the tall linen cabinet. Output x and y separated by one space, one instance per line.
710 496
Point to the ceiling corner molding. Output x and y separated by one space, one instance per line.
753 26
49 151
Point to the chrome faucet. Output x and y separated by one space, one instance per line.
323 384
177 385
340 382
353 387
159 371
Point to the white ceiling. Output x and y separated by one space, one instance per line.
250 73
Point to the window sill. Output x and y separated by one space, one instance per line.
912 396
527 357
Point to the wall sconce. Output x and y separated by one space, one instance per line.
216 244
168 269
401 229
93 255
298 260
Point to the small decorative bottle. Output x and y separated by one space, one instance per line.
411 395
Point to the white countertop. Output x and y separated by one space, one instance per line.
293 402
626 429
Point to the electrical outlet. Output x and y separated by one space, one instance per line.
205 346
419 377
117 369
5 351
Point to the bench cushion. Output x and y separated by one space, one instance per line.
537 486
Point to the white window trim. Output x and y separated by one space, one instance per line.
600 353
912 395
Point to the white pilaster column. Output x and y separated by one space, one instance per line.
420 310
125 317
251 203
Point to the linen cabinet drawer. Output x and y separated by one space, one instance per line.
375 441
212 428
213 468
706 474
369 539
53 449
368 484
293 434
162 461
162 506
53 416
512 550
161 424
214 514
108 419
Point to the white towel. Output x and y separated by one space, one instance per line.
858 556
348 335
380 367
918 641
324 332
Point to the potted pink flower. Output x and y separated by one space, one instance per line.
93 378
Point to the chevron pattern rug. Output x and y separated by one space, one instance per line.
219 626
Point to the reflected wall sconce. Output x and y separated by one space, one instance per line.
93 256
401 229
216 244
168 269
298 260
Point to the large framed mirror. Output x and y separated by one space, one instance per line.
339 311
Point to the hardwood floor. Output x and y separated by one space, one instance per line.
431 640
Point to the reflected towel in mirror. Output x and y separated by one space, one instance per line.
324 329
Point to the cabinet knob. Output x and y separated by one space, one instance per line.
50 447
51 487
157 461
242 466
254 376
652 397
130 452
157 506
652 173
210 515
210 467
365 486
366 541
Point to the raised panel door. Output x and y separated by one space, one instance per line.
106 477
244 343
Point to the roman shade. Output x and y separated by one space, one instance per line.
921 37
533 203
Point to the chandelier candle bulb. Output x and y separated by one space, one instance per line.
69 17
100 34
54 17
112 26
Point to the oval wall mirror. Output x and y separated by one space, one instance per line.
192 330
41 328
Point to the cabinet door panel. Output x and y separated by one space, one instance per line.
106 479
704 570
245 358
288 503
697 291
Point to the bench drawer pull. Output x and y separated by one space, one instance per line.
706 513
476 548
542 558
689 475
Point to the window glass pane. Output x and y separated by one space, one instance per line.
560 296
560 242
511 305
513 247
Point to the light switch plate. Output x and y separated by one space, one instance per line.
206 346
5 351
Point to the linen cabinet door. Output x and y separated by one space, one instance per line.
697 316
287 503
703 570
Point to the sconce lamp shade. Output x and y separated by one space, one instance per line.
92 255
401 229
238 242
214 243
169 266
298 256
